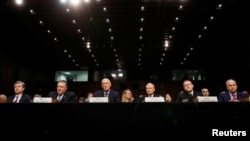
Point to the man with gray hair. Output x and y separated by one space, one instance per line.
231 95
106 91
20 96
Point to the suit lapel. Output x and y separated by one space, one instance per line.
228 96
21 99
64 98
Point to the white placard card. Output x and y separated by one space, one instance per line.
207 98
98 100
42 100
154 99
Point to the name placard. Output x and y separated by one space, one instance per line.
98 100
207 98
154 99
42 100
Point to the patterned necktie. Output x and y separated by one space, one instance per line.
105 94
234 97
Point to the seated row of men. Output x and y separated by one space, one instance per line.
62 95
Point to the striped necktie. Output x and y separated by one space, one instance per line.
59 98
15 100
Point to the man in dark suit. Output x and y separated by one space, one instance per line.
61 95
188 94
150 92
231 95
106 91
19 96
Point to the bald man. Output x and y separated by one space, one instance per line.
106 91
3 98
231 95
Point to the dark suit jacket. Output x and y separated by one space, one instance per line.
225 96
185 97
24 99
114 96
68 97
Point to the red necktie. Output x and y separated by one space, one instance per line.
234 97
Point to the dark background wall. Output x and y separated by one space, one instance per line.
25 55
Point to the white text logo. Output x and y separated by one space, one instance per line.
217 132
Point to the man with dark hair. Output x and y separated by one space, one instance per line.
188 94
62 95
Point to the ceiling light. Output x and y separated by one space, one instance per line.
19 2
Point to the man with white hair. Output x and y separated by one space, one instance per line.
106 91
150 92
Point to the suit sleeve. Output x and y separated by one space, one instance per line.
72 98
221 98
179 98
117 99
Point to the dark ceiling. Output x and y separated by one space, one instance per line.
198 32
